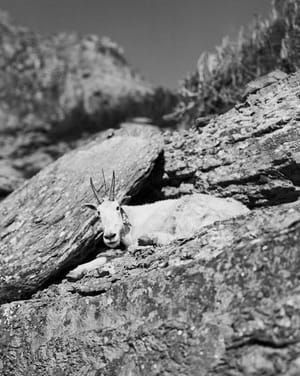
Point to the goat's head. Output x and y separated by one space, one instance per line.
113 217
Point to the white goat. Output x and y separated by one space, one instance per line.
158 223
161 221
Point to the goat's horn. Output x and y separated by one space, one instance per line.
94 191
104 181
112 187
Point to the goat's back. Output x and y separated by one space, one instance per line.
199 210
184 216
149 218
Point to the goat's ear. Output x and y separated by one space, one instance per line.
90 206
125 218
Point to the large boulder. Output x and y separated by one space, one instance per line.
44 228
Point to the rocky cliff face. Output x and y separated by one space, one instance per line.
250 153
222 302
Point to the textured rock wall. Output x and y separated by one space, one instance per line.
43 225
250 153
223 302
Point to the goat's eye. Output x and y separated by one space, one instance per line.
118 207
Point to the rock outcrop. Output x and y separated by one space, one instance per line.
225 301
43 225
251 153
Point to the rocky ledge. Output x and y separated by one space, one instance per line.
225 301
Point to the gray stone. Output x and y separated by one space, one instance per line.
44 228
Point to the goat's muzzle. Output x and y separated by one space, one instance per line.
111 239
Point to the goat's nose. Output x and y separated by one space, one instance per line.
110 235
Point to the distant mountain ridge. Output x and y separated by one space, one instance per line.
56 90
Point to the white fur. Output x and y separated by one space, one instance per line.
164 221
158 223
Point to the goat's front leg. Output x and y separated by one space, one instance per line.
156 238
80 270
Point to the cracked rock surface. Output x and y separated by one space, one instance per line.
225 301
251 153
43 225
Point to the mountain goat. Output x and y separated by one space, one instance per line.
157 223
161 221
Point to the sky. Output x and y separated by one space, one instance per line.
163 39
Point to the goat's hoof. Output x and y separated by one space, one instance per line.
74 275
